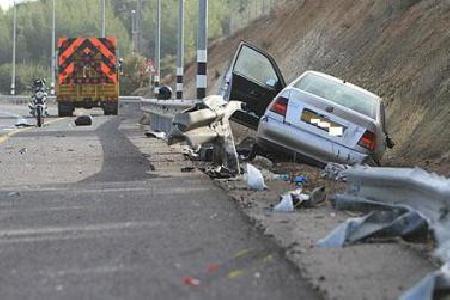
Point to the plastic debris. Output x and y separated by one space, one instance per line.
191 281
21 122
300 180
334 171
156 134
286 204
282 177
85 120
255 179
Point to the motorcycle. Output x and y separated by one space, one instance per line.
38 105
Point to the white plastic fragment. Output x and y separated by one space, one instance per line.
255 179
286 204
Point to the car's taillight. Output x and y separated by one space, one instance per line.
368 140
280 106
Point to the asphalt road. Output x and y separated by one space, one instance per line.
102 212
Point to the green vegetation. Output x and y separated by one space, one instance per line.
81 18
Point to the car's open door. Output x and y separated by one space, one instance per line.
253 78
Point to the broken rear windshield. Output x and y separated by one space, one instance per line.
339 93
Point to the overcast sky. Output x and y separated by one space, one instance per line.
6 3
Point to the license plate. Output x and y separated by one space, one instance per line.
322 122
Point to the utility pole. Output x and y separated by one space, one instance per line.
158 48
202 49
103 18
133 31
139 26
180 56
53 65
13 77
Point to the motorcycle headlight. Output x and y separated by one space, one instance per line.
40 95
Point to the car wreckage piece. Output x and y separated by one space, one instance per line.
208 123
384 193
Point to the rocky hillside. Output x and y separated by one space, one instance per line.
398 49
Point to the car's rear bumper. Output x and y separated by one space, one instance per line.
306 143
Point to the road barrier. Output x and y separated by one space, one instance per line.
159 114
24 99
429 194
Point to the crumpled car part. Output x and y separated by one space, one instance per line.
384 221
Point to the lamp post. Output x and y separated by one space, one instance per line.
158 48
103 18
53 64
13 76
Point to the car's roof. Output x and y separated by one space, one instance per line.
338 80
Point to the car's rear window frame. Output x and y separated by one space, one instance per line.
375 101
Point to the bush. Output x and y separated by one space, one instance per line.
24 77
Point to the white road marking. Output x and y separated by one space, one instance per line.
69 232
150 189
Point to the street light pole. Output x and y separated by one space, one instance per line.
180 56
138 26
103 18
133 31
202 49
13 77
158 48
53 65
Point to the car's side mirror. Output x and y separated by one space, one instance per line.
389 143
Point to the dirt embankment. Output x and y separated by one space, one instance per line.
398 49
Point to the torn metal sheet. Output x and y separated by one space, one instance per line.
399 222
423 202
429 194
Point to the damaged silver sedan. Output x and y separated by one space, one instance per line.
317 116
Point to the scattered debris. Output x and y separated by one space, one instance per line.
208 123
22 122
300 180
246 150
156 135
384 221
282 177
219 173
191 281
84 120
333 171
317 196
188 170
255 179
14 194
262 162
286 204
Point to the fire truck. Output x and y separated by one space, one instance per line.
88 75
